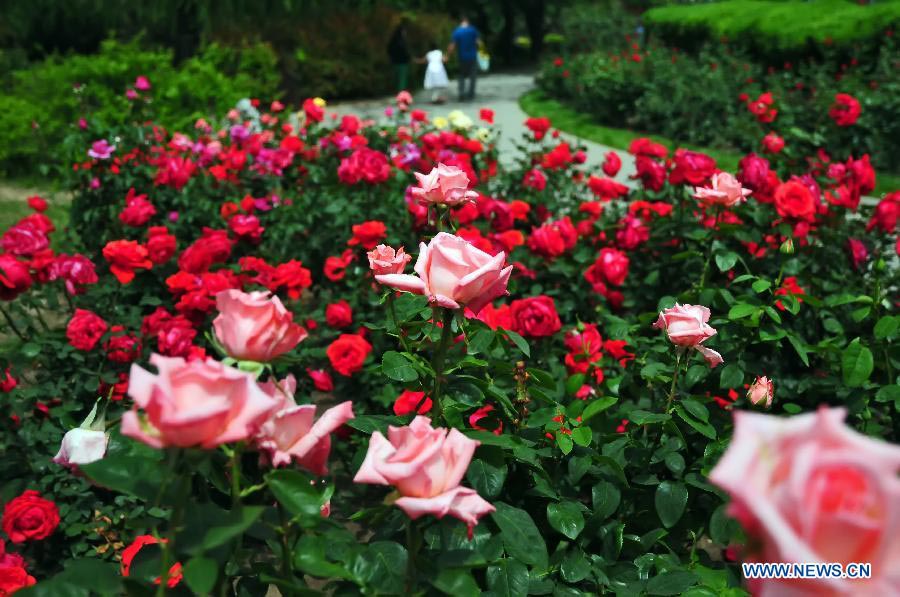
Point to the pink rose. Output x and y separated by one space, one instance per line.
810 489
254 327
686 327
385 260
290 433
426 466
453 273
446 185
81 446
194 403
726 190
761 392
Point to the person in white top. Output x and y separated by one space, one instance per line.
436 79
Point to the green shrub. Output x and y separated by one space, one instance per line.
55 93
774 29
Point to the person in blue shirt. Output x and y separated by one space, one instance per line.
465 42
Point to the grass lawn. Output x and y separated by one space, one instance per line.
14 196
568 120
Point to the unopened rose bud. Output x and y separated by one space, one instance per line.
787 247
81 446
761 392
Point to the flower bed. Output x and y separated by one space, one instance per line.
340 355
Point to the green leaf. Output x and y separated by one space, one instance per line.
674 582
294 491
200 574
574 383
742 310
214 527
521 538
396 366
643 417
732 376
671 498
564 442
605 498
582 436
309 556
799 348
597 406
456 581
134 474
30 350
888 394
726 261
487 474
761 286
696 408
382 567
566 517
371 423
856 364
508 578
519 341
886 327
480 340
702 427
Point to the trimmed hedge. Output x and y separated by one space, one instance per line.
772 28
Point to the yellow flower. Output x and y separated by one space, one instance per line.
459 120
483 134
319 102
440 122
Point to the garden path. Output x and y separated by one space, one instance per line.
499 92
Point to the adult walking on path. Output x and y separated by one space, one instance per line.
465 42
398 52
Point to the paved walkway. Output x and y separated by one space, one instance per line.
499 92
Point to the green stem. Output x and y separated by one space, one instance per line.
674 379
175 522
287 567
413 542
437 362
12 324
236 476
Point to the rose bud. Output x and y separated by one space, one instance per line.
761 392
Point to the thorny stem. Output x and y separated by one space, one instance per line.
437 362
674 380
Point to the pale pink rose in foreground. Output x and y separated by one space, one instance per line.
810 489
726 190
761 392
254 326
291 432
194 403
446 185
426 466
81 446
686 327
385 260
453 273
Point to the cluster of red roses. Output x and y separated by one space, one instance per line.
26 518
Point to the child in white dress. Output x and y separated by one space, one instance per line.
436 79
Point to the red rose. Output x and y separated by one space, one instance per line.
484 414
753 172
291 276
85 329
651 173
559 157
643 146
29 517
321 379
611 267
535 317
632 232
884 217
862 173
364 165
538 126
335 267
846 110
246 227
77 271
132 550
125 256
37 203
160 244
407 402
773 143
692 168
138 210
348 353
24 238
486 115
606 188
368 234
612 163
14 277
122 347
314 110
7 382
339 314
174 171
535 179
553 238
13 578
175 338
213 247
585 348
794 200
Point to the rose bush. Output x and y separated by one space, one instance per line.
234 390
